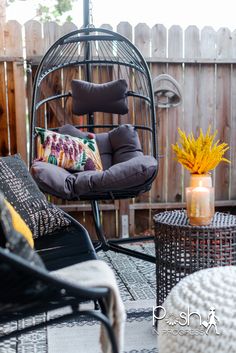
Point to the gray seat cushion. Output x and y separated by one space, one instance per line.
115 146
125 175
125 143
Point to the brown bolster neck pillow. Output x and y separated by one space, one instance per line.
109 97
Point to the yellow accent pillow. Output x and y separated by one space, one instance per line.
19 224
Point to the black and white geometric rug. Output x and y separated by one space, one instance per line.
137 283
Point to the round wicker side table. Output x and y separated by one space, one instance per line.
182 249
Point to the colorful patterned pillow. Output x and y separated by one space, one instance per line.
72 153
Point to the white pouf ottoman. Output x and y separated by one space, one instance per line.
199 314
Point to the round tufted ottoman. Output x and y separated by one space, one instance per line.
199 314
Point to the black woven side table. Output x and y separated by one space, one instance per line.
182 249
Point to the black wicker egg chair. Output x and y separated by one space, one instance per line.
96 81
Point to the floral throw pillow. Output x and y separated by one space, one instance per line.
72 153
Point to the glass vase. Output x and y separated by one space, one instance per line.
200 199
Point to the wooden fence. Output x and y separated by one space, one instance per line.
204 64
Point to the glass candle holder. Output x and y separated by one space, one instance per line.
200 200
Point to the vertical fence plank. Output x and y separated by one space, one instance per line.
16 90
20 113
4 141
85 218
191 81
159 50
232 152
207 97
175 51
106 26
125 29
109 51
68 75
68 27
223 109
34 48
51 32
232 191
109 224
207 79
191 86
89 224
4 145
2 44
142 39
11 108
13 39
2 11
34 43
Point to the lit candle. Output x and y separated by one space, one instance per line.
200 202
200 205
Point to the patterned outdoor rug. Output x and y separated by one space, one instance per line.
137 284
83 335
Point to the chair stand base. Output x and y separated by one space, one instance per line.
114 244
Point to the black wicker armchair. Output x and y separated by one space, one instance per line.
29 290
66 246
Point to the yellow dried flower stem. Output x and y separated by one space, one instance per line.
200 155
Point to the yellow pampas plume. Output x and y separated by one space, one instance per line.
200 155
